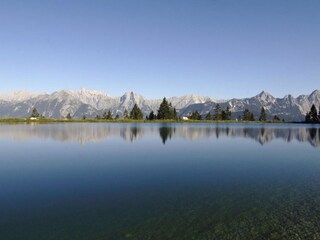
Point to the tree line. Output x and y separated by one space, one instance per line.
167 112
225 115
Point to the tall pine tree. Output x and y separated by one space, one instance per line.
247 115
263 115
152 116
35 113
136 113
164 110
218 112
227 114
312 116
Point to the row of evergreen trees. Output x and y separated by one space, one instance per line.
167 112
223 115
313 116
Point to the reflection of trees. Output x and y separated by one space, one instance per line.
165 133
134 132
313 133
90 132
263 131
217 132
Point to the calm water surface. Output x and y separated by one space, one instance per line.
159 181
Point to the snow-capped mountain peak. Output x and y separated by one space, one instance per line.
265 97
91 103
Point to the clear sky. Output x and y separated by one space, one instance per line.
217 48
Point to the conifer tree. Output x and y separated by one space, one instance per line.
164 110
136 113
151 116
218 112
312 116
195 116
247 115
263 115
35 113
276 118
208 116
227 114
223 115
69 116
251 117
109 115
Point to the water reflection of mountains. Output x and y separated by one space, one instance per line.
85 133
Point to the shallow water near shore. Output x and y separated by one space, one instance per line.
159 181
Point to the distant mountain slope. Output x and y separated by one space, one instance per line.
288 107
82 102
91 103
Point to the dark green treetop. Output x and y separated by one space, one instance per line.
69 116
195 116
226 114
208 116
164 110
312 116
276 118
263 115
136 113
152 116
35 113
109 115
247 115
218 112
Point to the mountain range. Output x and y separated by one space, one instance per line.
91 103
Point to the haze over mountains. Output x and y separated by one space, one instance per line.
91 103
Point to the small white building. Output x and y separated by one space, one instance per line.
185 118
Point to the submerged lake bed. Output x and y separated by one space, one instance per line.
159 181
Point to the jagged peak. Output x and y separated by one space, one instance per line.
265 96
131 94
315 92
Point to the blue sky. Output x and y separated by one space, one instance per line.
218 48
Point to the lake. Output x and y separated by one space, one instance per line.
101 181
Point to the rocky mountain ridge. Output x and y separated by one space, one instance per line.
91 103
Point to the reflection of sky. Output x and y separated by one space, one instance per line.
39 179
